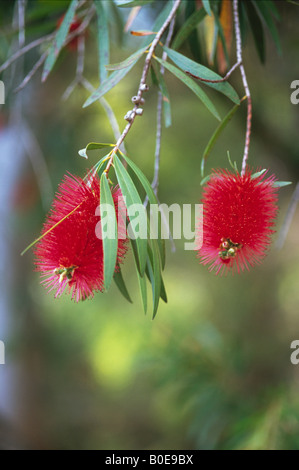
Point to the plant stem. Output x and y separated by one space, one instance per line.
245 83
142 83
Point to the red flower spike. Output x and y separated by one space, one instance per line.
238 216
70 255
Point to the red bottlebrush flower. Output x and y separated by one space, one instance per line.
238 216
70 255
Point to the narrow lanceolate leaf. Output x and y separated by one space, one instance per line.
188 65
258 173
119 281
188 26
166 99
141 279
280 184
93 146
152 200
222 37
103 40
129 191
265 10
159 21
257 30
192 85
59 39
133 3
109 83
109 231
153 271
207 6
127 62
215 136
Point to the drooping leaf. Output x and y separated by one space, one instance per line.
127 62
189 25
153 271
215 136
93 146
103 40
263 7
226 22
280 184
258 173
133 3
222 37
163 15
207 6
129 191
109 83
119 281
257 30
153 201
188 65
59 39
166 99
109 237
141 279
190 83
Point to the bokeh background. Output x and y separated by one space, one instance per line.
213 370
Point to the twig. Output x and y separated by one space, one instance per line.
224 79
48 37
142 84
245 84
25 49
288 218
109 111
34 69
155 182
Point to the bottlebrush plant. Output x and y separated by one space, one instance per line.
239 206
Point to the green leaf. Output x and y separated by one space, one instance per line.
127 62
93 146
257 30
152 199
108 84
163 294
222 38
207 6
215 136
141 279
280 184
258 173
109 238
263 7
119 281
192 85
205 180
187 28
271 5
103 40
59 39
129 191
159 21
188 65
133 3
153 271
166 99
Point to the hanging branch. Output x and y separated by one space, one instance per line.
138 99
245 83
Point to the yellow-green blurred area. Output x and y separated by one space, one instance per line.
213 369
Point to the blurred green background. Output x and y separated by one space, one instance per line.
213 370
